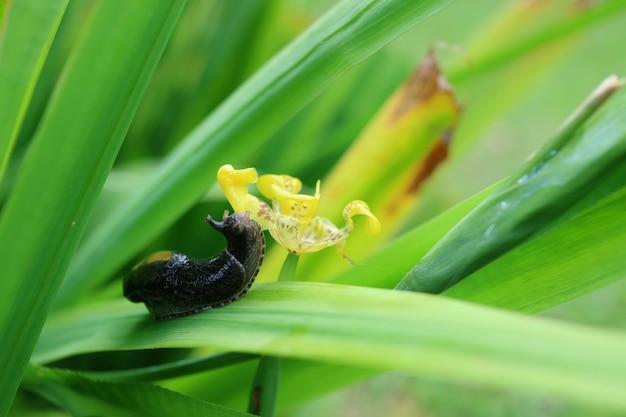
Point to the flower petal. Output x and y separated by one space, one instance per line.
283 190
372 225
300 206
286 231
234 184
317 235
267 182
321 232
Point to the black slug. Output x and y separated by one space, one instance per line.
172 285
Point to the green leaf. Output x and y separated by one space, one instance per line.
578 256
28 29
66 165
571 260
347 34
370 328
571 172
574 259
86 397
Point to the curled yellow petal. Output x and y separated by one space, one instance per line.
320 233
234 184
283 190
356 207
299 206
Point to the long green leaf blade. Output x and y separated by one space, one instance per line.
66 166
371 328
574 259
25 37
83 396
171 369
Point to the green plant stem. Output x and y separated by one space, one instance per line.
288 271
265 386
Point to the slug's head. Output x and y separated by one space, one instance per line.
244 236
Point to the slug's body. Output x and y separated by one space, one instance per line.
172 285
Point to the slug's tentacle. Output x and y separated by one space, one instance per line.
173 285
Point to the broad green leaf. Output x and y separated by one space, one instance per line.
569 173
86 397
66 165
347 34
371 328
576 258
573 259
25 36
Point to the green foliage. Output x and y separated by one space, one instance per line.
154 98
84 397
352 325
66 164
570 172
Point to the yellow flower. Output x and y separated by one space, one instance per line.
291 219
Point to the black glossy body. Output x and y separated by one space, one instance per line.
175 286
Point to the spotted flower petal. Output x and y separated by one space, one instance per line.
321 233
299 206
286 182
